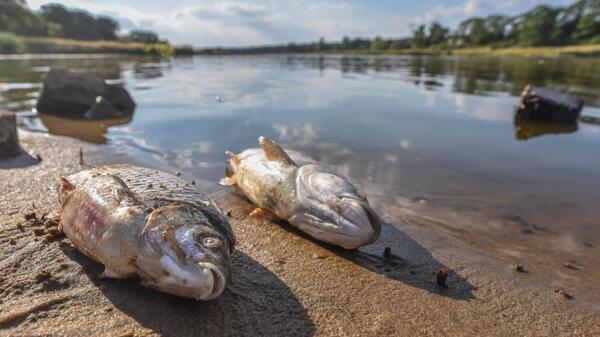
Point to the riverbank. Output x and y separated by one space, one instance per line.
283 282
547 51
12 44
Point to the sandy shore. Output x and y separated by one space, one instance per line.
284 284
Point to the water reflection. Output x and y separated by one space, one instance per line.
474 75
525 130
415 133
93 131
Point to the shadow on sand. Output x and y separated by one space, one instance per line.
409 262
256 303
24 159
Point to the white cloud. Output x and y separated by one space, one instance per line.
254 22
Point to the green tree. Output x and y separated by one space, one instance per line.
346 43
537 27
143 36
437 34
16 18
320 46
80 25
566 22
107 28
377 45
473 31
419 37
495 27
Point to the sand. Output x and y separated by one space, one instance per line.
284 284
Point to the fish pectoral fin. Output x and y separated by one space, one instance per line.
227 181
274 152
123 193
107 273
259 213
64 189
233 158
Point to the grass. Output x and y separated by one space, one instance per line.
591 49
12 44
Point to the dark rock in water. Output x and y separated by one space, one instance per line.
102 109
546 105
9 141
70 94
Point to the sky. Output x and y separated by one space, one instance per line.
209 23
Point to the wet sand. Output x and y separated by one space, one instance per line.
284 284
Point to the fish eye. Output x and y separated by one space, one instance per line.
211 242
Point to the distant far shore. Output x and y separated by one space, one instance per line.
587 50
38 45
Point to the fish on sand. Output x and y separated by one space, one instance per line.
149 224
318 202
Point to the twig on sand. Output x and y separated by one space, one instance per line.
81 161
37 307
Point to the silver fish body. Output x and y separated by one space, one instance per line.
142 222
310 197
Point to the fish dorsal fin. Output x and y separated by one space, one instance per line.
122 191
274 152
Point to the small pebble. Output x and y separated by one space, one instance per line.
43 275
441 277
317 256
518 268
50 223
563 293
571 265
39 231
193 182
13 242
178 173
30 216
387 252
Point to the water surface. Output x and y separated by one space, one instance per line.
419 135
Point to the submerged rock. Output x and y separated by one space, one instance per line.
9 141
75 95
547 105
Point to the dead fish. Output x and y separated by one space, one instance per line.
318 202
175 239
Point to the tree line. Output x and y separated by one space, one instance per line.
543 25
55 20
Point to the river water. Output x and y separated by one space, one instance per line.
420 135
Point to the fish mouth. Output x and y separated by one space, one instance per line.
373 218
348 230
218 280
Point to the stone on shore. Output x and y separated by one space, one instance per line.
72 95
9 140
547 105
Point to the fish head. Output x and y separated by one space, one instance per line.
332 209
184 251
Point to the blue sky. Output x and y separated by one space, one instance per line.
205 23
